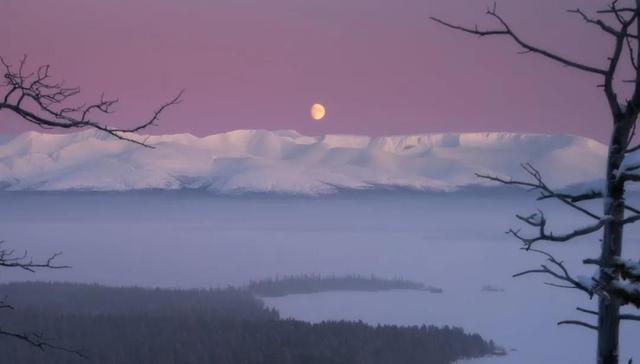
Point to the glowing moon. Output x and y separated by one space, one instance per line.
318 111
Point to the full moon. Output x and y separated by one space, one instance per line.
318 111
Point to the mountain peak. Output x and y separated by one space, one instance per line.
286 161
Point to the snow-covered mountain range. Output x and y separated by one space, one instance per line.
288 162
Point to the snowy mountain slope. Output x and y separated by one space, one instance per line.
288 162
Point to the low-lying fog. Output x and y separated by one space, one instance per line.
453 241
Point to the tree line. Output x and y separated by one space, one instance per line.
142 325
312 283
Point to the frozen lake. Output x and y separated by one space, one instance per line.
453 241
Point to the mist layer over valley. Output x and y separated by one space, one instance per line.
196 239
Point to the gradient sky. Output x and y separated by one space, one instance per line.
380 66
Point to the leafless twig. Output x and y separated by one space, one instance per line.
560 273
37 99
39 341
505 30
579 323
8 259
538 184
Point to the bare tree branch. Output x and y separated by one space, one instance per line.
633 105
630 177
629 294
613 9
632 55
8 259
539 221
539 184
34 97
591 312
50 101
629 317
601 24
632 209
634 148
626 269
505 30
5 305
561 274
617 282
631 219
629 289
614 60
579 197
40 342
579 323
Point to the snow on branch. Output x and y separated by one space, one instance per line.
590 195
627 268
629 292
628 286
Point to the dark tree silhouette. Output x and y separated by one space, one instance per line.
9 259
618 280
313 283
34 97
223 326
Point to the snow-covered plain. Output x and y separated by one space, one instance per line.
450 240
288 162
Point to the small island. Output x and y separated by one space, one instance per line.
299 284
491 288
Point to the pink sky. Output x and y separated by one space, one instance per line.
379 66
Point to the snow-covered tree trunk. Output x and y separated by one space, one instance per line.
611 249
618 280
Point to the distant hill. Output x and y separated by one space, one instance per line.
227 326
316 283
288 162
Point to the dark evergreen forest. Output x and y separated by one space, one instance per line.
157 326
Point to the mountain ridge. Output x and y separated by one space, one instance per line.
286 161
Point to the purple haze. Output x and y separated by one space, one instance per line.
380 66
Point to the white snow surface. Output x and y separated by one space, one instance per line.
288 162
